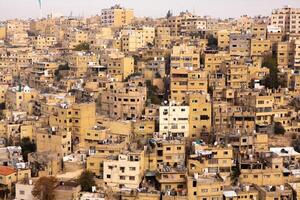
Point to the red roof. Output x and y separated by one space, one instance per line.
4 170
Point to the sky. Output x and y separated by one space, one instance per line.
10 9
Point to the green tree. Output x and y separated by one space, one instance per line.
279 129
63 67
169 14
84 46
271 81
152 92
44 188
27 147
296 144
212 42
235 174
86 180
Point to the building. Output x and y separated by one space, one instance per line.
240 44
123 100
286 54
205 187
199 114
174 120
116 16
287 19
125 170
185 81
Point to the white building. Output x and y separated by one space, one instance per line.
24 191
174 120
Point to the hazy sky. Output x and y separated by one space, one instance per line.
218 8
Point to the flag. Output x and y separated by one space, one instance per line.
40 3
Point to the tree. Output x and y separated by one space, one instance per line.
44 188
84 46
169 14
86 180
27 147
296 144
279 129
152 93
271 81
212 42
235 174
63 67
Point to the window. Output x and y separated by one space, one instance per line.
194 183
108 176
132 168
204 190
122 177
132 178
22 192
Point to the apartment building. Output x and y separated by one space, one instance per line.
286 54
259 31
256 171
54 142
184 56
125 170
162 37
79 62
236 74
184 81
199 114
240 44
205 187
18 98
172 179
297 54
123 100
174 120
116 16
43 42
287 19
120 67
214 61
211 159
224 38
263 106
75 118
42 74
186 23
260 47
134 38
74 37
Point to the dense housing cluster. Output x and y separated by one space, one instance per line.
182 107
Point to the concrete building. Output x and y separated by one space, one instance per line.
116 16
174 120
125 170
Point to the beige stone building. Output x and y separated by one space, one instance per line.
116 16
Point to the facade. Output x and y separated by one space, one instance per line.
173 120
126 170
116 16
287 19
